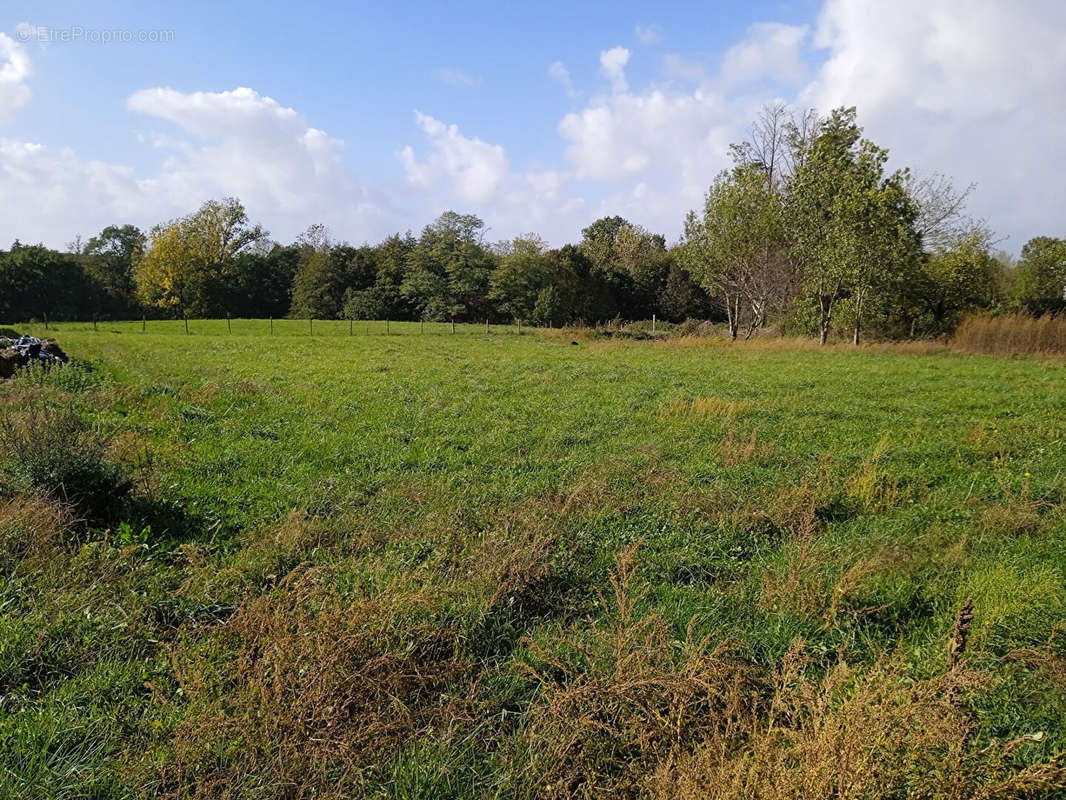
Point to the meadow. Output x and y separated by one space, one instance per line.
482 564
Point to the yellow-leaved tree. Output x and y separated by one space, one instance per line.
185 267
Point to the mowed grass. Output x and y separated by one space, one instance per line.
497 565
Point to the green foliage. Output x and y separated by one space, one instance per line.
1039 280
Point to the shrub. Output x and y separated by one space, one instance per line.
55 453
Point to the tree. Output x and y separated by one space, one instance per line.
187 265
447 273
519 278
941 220
1039 279
629 268
853 230
110 257
957 280
737 248
36 281
261 282
328 273
682 297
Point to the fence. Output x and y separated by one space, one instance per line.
282 327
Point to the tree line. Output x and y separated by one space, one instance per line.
808 231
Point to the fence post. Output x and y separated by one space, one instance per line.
186 326
653 323
46 322
94 322
229 327
486 324
272 326
351 326
453 326
144 323
386 327
311 320
520 327
422 326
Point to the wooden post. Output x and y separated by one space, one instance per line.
453 326
486 324
46 322
386 327
271 326
311 320
368 328
653 323
94 322
422 326
144 322
351 326
229 327
519 327
186 326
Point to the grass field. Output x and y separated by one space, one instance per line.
490 565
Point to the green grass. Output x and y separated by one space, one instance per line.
450 509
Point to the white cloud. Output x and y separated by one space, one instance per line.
770 51
454 76
978 95
648 35
462 172
473 167
15 68
613 66
234 143
558 70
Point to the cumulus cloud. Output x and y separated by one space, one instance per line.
465 172
228 143
978 95
613 66
474 168
769 51
558 70
14 70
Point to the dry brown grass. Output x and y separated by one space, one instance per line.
851 734
740 448
625 697
304 689
32 531
1012 334
705 407
300 689
626 710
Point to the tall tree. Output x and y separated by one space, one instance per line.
110 257
737 248
186 266
448 270
853 230
1039 279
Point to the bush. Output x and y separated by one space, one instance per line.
55 453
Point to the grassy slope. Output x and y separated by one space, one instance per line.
854 499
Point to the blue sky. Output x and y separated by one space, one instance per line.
375 117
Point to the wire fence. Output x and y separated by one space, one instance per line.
273 327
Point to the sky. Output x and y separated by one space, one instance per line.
373 118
